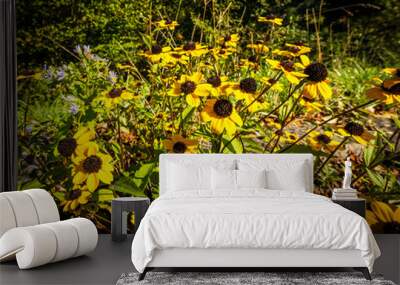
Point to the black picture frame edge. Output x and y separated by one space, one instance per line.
8 97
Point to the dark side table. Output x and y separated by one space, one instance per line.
355 205
120 208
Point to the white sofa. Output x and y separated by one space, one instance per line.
31 231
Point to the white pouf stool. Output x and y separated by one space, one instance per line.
31 231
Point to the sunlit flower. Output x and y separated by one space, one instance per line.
193 87
258 48
173 57
310 104
317 83
395 72
178 144
356 131
271 19
222 115
388 91
219 84
275 85
75 198
193 49
288 68
114 96
167 24
292 50
222 52
384 215
75 145
156 53
245 88
252 61
92 166
271 123
322 140
290 137
229 40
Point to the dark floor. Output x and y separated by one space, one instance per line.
103 266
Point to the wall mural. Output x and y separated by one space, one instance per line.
212 78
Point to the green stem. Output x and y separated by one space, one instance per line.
327 121
331 155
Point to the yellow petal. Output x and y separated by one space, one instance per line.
217 125
79 178
292 79
325 90
230 127
193 100
92 149
360 140
396 215
92 182
305 60
105 176
311 90
203 89
236 118
371 218
74 204
382 211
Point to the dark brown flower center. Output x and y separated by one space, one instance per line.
270 17
168 21
215 81
176 55
115 92
316 72
221 51
287 65
272 81
248 85
156 49
397 72
395 89
75 194
323 139
293 49
223 108
253 58
354 129
67 146
92 164
227 38
179 147
189 46
188 87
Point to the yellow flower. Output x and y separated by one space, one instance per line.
156 54
287 67
178 144
229 40
275 85
192 87
292 50
388 91
193 49
357 131
247 87
310 104
272 123
317 78
75 198
393 71
114 96
322 140
173 58
290 137
73 146
222 115
252 61
258 48
223 53
271 19
167 24
219 85
92 166
383 214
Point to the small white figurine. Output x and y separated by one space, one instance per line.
347 174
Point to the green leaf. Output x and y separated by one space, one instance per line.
90 115
124 185
186 114
376 178
32 185
369 153
105 195
234 146
142 175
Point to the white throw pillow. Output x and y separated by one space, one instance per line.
285 174
251 178
181 177
223 179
